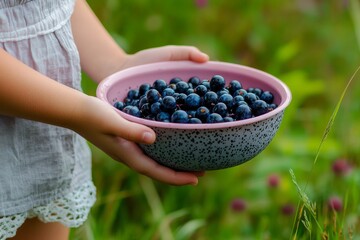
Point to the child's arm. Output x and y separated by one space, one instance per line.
101 56
28 94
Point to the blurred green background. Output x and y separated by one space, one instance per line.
313 46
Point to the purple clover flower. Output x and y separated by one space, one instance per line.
238 205
341 167
335 203
287 209
201 3
273 180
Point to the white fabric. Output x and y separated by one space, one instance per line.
40 162
71 210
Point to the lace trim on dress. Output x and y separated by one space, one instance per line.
71 210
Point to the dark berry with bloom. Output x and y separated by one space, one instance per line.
153 96
132 110
217 83
119 105
159 85
214 118
179 116
194 81
168 104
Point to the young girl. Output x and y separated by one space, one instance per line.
45 163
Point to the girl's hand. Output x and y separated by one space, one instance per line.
117 137
166 53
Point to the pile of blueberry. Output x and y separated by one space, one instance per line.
196 101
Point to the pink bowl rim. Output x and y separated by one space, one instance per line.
106 84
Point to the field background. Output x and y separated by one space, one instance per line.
313 46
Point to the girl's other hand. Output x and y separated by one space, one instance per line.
166 53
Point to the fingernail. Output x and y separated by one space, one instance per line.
195 183
205 55
147 137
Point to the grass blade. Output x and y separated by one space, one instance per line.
303 196
355 14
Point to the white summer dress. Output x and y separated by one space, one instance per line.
45 171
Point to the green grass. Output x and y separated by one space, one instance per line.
314 48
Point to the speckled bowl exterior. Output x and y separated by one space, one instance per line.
200 147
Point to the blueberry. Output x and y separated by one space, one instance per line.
195 121
272 106
191 113
182 87
127 101
221 109
214 118
193 101
236 104
259 107
257 91
168 92
119 105
159 85
168 104
234 85
145 110
267 97
155 108
227 99
153 96
217 83
172 86
189 91
132 110
240 92
133 94
135 102
238 98
175 80
250 90
206 83
228 119
250 98
163 117
210 99
195 81
142 101
202 113
200 90
144 88
180 98
243 112
222 92
179 116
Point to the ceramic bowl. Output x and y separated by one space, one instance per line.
200 147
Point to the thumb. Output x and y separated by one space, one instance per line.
134 132
186 53
103 119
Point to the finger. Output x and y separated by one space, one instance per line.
134 132
143 164
187 53
199 174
